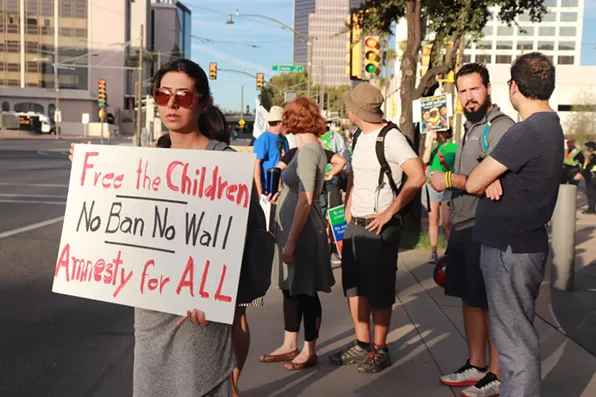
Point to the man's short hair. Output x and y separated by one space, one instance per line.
474 68
534 75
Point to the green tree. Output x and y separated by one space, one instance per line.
133 60
450 22
581 125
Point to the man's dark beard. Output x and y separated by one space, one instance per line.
477 115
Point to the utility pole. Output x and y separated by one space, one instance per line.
57 113
322 96
139 92
458 114
309 66
241 102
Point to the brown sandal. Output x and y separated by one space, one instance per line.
291 366
275 358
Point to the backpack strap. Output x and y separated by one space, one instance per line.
441 158
484 138
385 168
355 138
218 146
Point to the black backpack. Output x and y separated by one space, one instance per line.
407 212
259 247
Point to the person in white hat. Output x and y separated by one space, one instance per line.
270 146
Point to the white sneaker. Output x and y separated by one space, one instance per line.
465 376
489 386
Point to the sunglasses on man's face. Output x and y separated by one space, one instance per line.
510 82
184 98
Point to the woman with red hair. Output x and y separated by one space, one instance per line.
302 260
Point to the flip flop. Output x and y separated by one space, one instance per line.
291 366
275 358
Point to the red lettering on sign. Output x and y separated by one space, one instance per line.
169 172
190 271
123 281
218 294
204 281
87 165
63 261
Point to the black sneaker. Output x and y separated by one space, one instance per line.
377 360
434 257
351 354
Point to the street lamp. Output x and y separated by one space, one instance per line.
307 39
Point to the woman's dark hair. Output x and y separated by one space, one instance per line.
212 122
192 70
447 134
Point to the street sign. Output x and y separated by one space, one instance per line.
288 68
242 123
85 118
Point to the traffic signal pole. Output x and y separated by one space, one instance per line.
139 92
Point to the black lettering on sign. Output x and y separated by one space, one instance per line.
169 232
127 225
193 228
91 222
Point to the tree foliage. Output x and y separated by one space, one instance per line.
447 23
581 125
273 92
133 60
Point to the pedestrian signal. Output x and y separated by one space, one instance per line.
213 71
260 81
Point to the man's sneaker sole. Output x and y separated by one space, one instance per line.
466 383
463 394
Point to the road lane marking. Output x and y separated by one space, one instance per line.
33 184
30 227
32 195
32 202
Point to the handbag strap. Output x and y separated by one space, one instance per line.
441 158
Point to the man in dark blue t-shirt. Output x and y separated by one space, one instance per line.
510 221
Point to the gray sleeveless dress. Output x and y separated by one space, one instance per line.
184 361
311 271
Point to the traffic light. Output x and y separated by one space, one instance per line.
213 71
260 81
102 95
372 58
354 47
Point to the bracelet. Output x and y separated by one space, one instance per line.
448 180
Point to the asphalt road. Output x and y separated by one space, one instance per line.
50 344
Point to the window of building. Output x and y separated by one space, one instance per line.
31 21
12 46
484 45
503 59
467 58
13 67
2 66
569 3
5 106
13 83
550 3
483 59
488 30
32 67
568 16
549 57
526 31
546 46
566 45
505 31
525 45
566 60
567 31
523 18
504 45
546 31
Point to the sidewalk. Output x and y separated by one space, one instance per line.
426 340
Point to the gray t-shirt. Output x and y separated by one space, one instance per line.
463 205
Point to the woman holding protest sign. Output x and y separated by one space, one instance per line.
173 356
302 260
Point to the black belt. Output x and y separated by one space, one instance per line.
362 222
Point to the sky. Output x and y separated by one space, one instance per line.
231 44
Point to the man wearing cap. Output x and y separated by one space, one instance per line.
270 146
589 174
372 237
572 164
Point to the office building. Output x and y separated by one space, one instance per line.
302 10
92 40
558 35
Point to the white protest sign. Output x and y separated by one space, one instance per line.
156 229
261 124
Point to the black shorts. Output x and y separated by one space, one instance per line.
369 263
463 275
